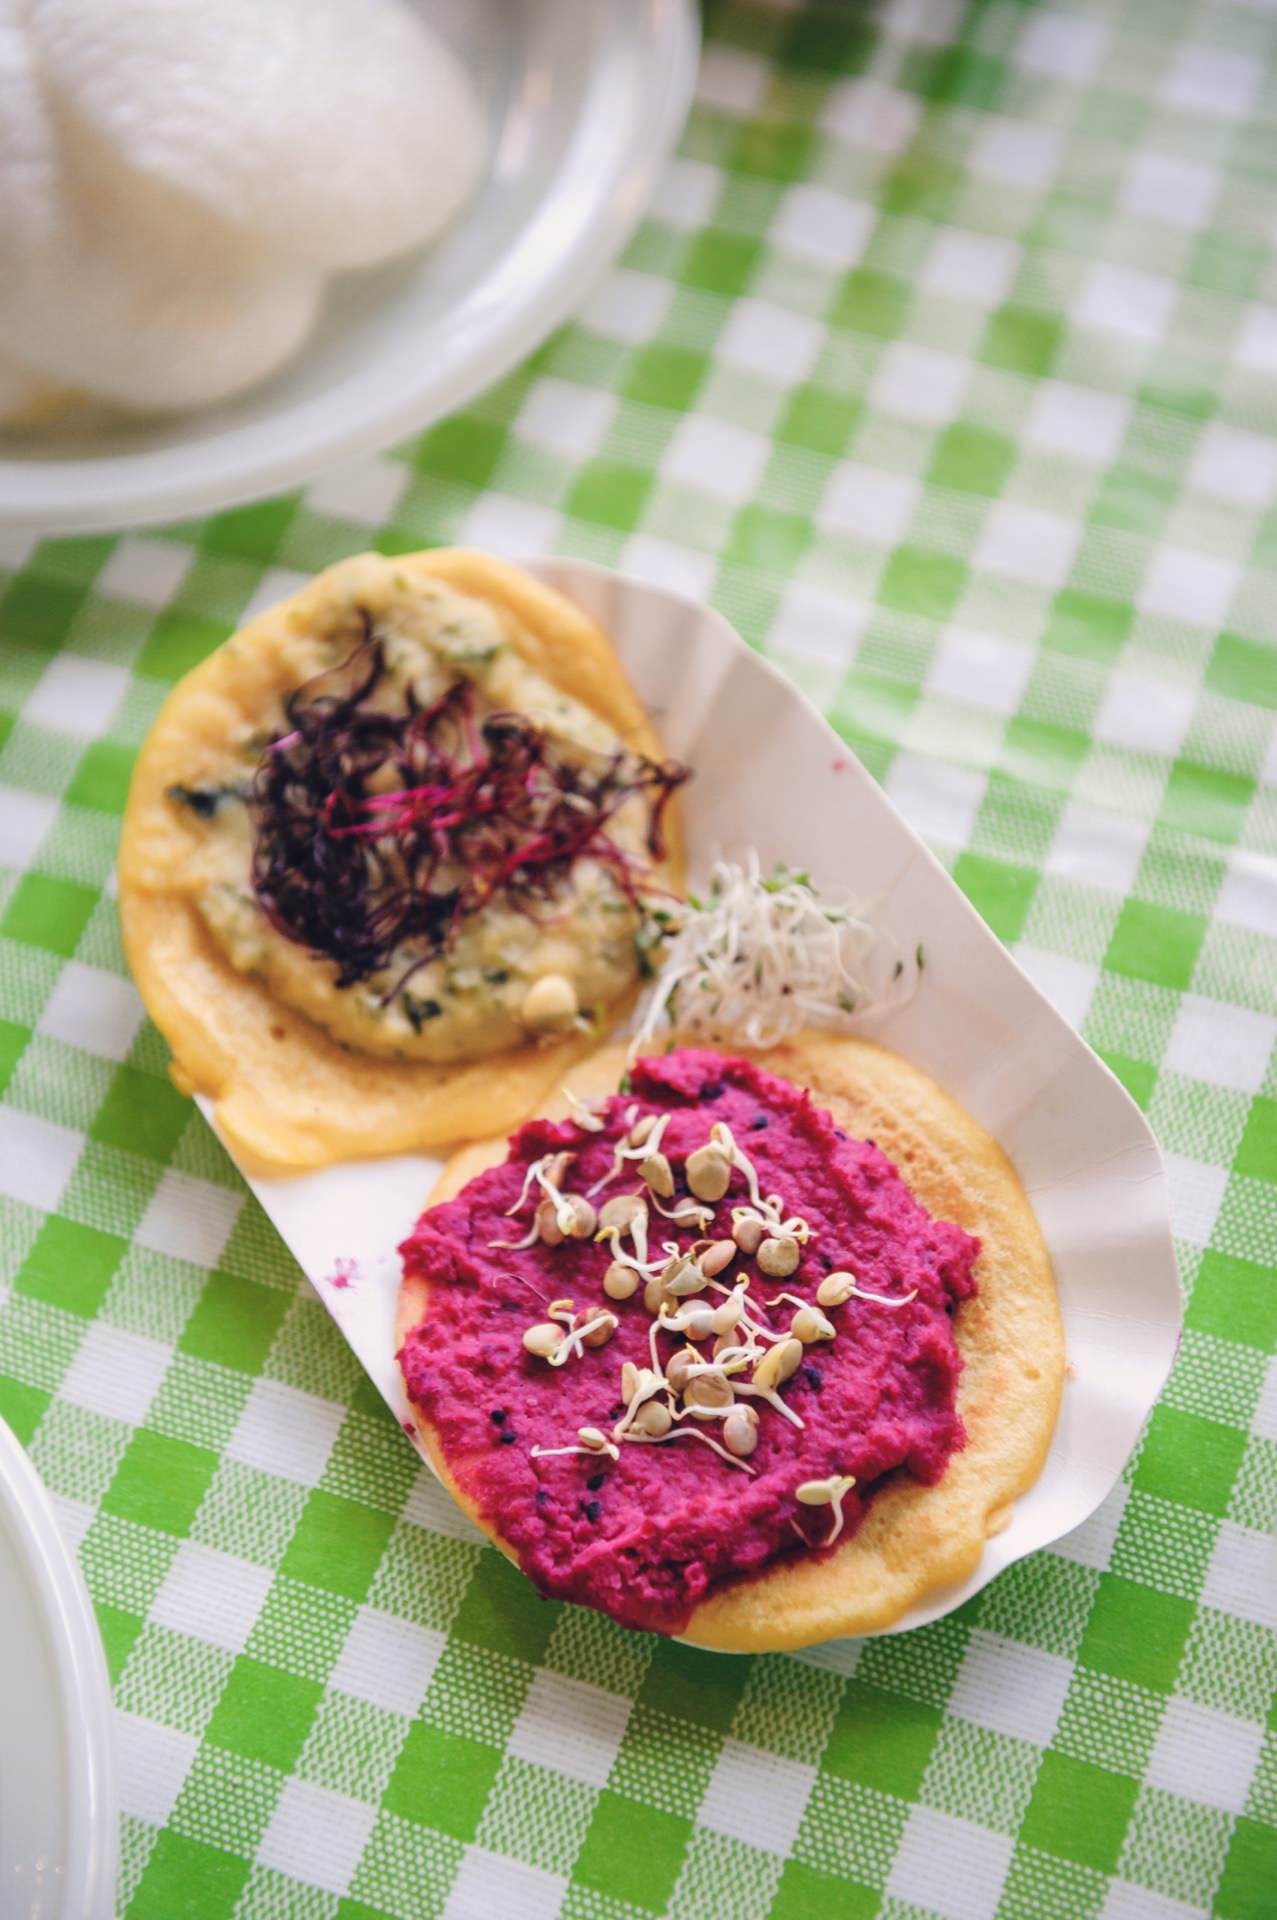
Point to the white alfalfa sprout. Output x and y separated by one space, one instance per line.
687 1433
592 1442
884 1299
773 1399
583 1113
684 1213
758 958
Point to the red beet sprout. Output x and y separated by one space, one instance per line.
379 828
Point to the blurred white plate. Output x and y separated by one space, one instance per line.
585 98
769 773
57 1791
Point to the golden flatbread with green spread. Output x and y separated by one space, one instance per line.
384 857
793 1401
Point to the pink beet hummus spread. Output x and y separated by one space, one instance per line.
648 1536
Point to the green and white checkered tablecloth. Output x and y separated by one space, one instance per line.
944 365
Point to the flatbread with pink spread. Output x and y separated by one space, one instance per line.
933 1397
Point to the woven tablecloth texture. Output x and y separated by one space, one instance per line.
943 365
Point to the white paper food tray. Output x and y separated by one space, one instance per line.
770 774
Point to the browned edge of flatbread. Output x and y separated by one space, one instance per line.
285 1093
915 1539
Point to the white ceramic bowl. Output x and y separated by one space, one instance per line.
585 99
57 1776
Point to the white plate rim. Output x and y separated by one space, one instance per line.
87 1881
115 493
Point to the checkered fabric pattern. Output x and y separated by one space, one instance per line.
943 365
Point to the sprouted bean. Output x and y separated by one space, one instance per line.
751 1360
827 1493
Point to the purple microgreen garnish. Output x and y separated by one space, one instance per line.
378 830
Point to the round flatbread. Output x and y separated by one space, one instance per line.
288 1091
914 1538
